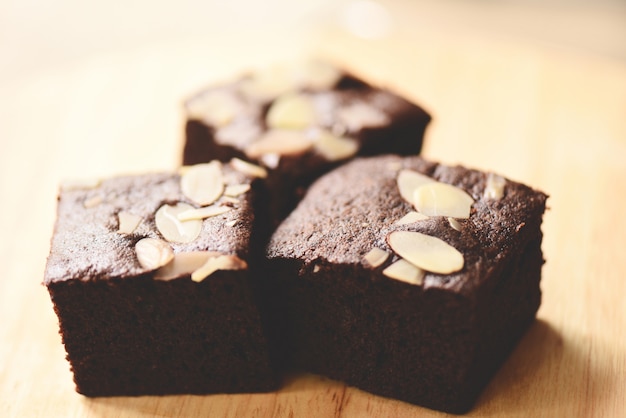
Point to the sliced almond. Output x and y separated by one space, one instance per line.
173 229
231 223
426 252
334 148
405 272
267 84
411 217
202 213
361 115
93 201
316 75
291 111
220 262
409 181
235 190
494 189
218 108
279 141
375 257
80 184
184 264
128 222
270 160
454 224
203 183
153 253
248 168
441 199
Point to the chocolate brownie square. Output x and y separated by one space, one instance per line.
150 276
299 122
407 278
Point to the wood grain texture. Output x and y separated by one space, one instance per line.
550 118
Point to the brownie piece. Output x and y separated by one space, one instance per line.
299 122
418 305
150 276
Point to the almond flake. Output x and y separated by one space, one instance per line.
231 223
267 84
173 229
279 141
405 272
426 252
80 184
411 217
202 213
153 253
375 257
409 181
270 160
220 262
291 111
316 75
441 199
235 190
335 148
455 224
93 201
494 189
248 168
184 264
218 108
128 222
361 115
203 183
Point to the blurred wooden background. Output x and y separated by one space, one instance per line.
534 90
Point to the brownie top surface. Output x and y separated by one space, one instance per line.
355 207
248 110
87 244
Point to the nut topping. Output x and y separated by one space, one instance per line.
248 168
202 213
360 115
153 253
335 148
406 272
455 224
291 111
184 264
215 263
80 184
128 222
316 75
411 217
235 190
173 229
441 199
279 141
494 189
375 257
409 181
218 108
203 183
426 252
93 201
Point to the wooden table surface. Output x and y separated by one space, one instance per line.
551 117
